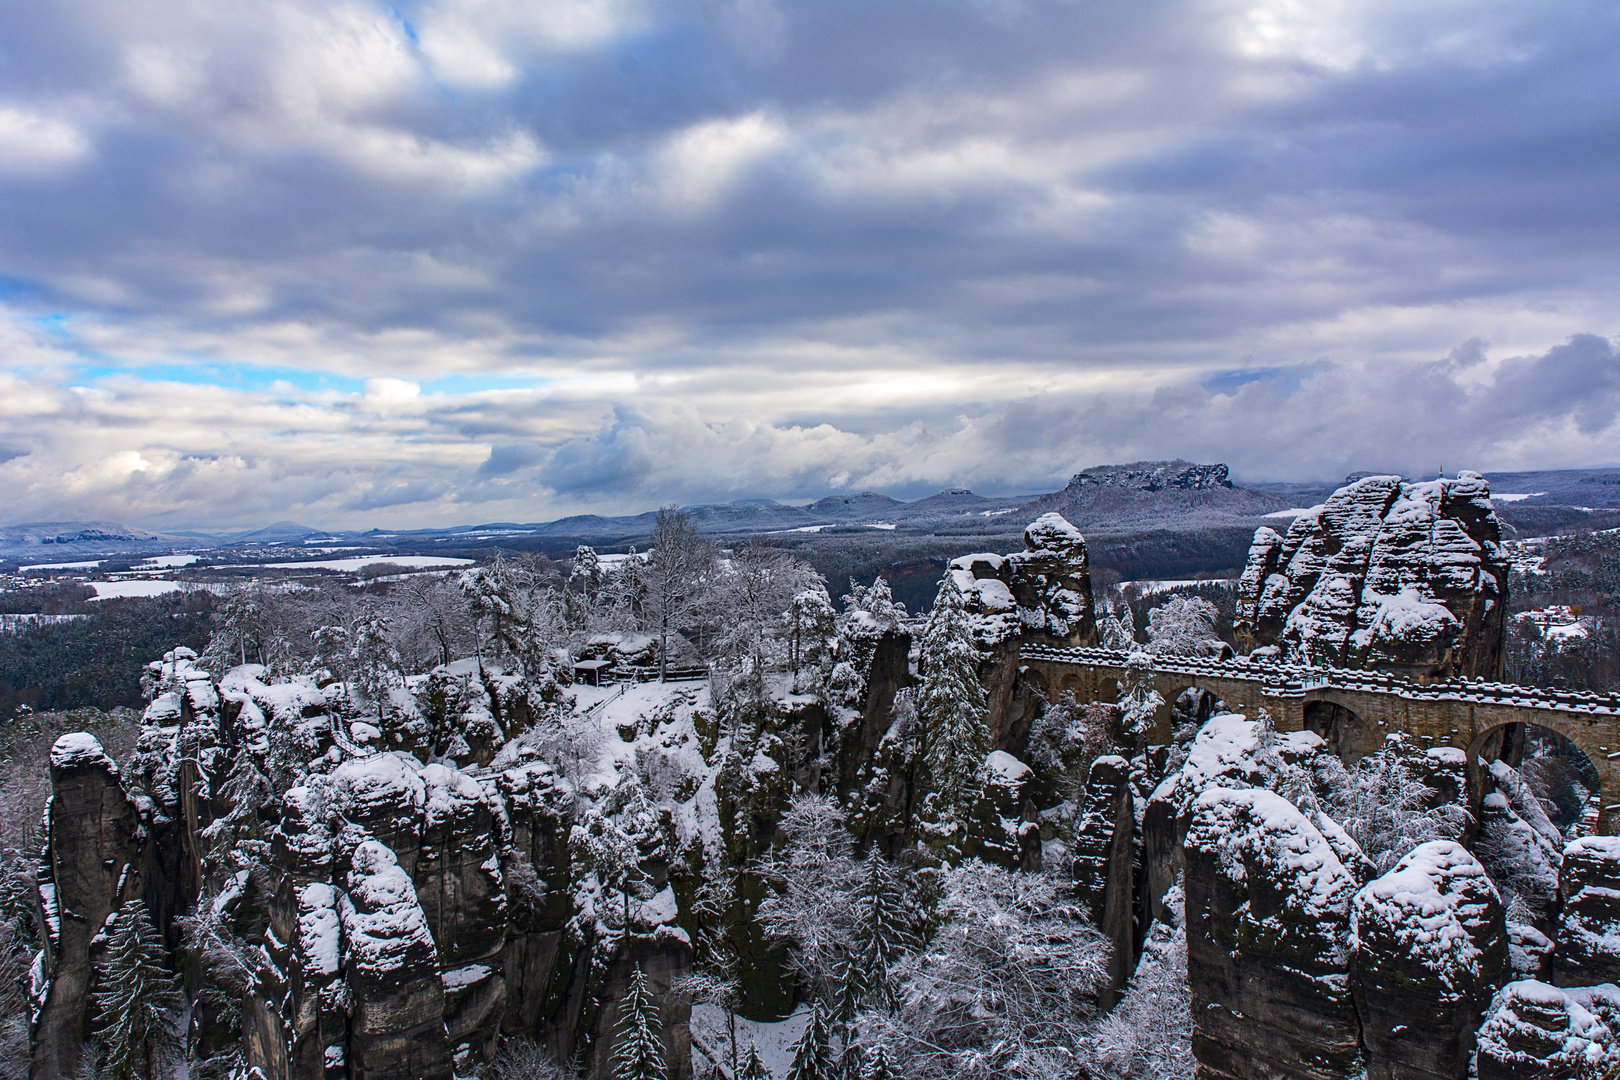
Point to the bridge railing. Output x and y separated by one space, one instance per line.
1298 678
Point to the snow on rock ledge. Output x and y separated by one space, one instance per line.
1427 940
1268 908
1588 939
1535 1030
80 750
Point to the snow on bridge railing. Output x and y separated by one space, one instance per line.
1299 678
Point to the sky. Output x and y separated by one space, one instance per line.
461 261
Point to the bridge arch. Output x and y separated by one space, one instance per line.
1511 740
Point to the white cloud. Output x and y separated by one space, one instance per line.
452 259
31 143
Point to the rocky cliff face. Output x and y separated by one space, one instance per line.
1102 865
1587 946
90 867
1041 595
1428 940
405 915
1268 912
1405 577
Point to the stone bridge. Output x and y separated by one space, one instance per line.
1353 710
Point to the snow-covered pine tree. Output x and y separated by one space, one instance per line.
753 1068
876 1066
1118 631
136 996
882 933
1139 702
812 1054
812 624
374 661
952 706
638 1048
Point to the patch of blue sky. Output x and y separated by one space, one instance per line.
54 325
405 25
11 287
230 376
472 384
1229 382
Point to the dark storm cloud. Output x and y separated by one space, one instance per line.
754 248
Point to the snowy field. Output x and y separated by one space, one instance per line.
358 562
712 1045
93 563
109 590
1152 587
164 562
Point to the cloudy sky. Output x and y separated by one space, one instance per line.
471 260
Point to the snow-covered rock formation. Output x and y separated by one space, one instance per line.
1041 595
1405 577
1587 946
1428 941
1535 1031
1268 912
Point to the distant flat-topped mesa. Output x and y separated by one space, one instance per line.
1129 499
1403 577
1155 476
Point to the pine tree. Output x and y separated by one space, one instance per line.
752 1067
882 933
876 1066
135 996
638 1051
951 703
812 1054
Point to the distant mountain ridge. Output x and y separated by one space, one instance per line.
1110 502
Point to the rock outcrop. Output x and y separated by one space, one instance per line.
1041 595
391 968
1002 829
1587 945
1405 577
90 867
401 916
1535 1031
1102 865
1428 950
1225 753
1268 911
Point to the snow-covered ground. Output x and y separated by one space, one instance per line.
1294 512
1505 497
834 525
359 562
1559 622
60 566
164 562
1148 587
711 1044
108 590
